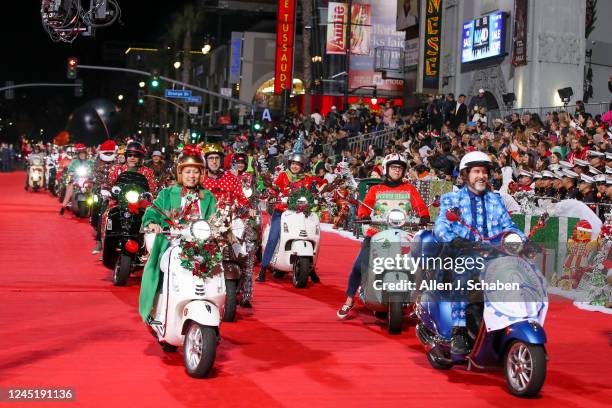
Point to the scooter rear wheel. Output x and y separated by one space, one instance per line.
525 368
199 349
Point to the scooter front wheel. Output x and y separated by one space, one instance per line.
525 368
395 317
121 274
199 349
301 271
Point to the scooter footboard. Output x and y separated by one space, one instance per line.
435 311
202 312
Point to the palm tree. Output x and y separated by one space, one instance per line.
306 67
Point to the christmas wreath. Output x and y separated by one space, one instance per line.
292 200
200 257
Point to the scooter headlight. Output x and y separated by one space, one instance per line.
513 243
200 230
132 196
396 218
82 171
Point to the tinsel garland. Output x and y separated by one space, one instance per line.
292 200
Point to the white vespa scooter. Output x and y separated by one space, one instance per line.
187 312
298 246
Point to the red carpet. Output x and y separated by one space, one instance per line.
65 325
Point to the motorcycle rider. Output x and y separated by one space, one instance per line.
134 155
81 160
395 166
247 179
189 176
287 181
107 153
37 157
485 212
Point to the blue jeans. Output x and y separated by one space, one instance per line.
273 237
355 277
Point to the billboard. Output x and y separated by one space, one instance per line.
382 34
519 39
433 36
337 16
483 38
407 14
285 33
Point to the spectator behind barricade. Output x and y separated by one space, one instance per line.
478 101
316 117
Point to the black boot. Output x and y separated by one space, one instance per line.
314 277
459 342
62 211
246 303
262 275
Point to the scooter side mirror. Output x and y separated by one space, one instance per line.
453 214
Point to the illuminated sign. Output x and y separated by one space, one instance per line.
483 38
285 31
433 36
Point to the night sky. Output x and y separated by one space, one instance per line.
29 55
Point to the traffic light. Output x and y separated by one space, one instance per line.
71 68
78 90
194 137
257 126
154 82
141 95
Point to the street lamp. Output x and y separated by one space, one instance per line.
206 48
120 97
177 64
141 84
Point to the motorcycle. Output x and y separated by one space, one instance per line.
123 247
387 292
36 171
298 246
187 312
499 332
81 195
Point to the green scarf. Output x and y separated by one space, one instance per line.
294 178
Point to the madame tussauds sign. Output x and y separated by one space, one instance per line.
285 33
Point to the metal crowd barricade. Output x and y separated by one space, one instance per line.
593 108
378 139
596 207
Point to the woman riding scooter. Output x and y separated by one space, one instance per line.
286 182
394 167
189 176
81 160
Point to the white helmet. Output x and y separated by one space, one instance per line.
474 159
394 158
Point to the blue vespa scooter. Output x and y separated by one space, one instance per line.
502 330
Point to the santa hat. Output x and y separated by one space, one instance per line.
108 146
583 226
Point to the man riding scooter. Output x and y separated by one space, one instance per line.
134 156
485 212
394 167
81 162
247 179
286 182
107 153
35 159
227 189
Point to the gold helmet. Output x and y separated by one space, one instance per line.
213 148
191 156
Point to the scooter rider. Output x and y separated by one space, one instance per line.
37 156
134 155
81 160
107 154
189 176
394 168
286 182
223 184
247 179
484 211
